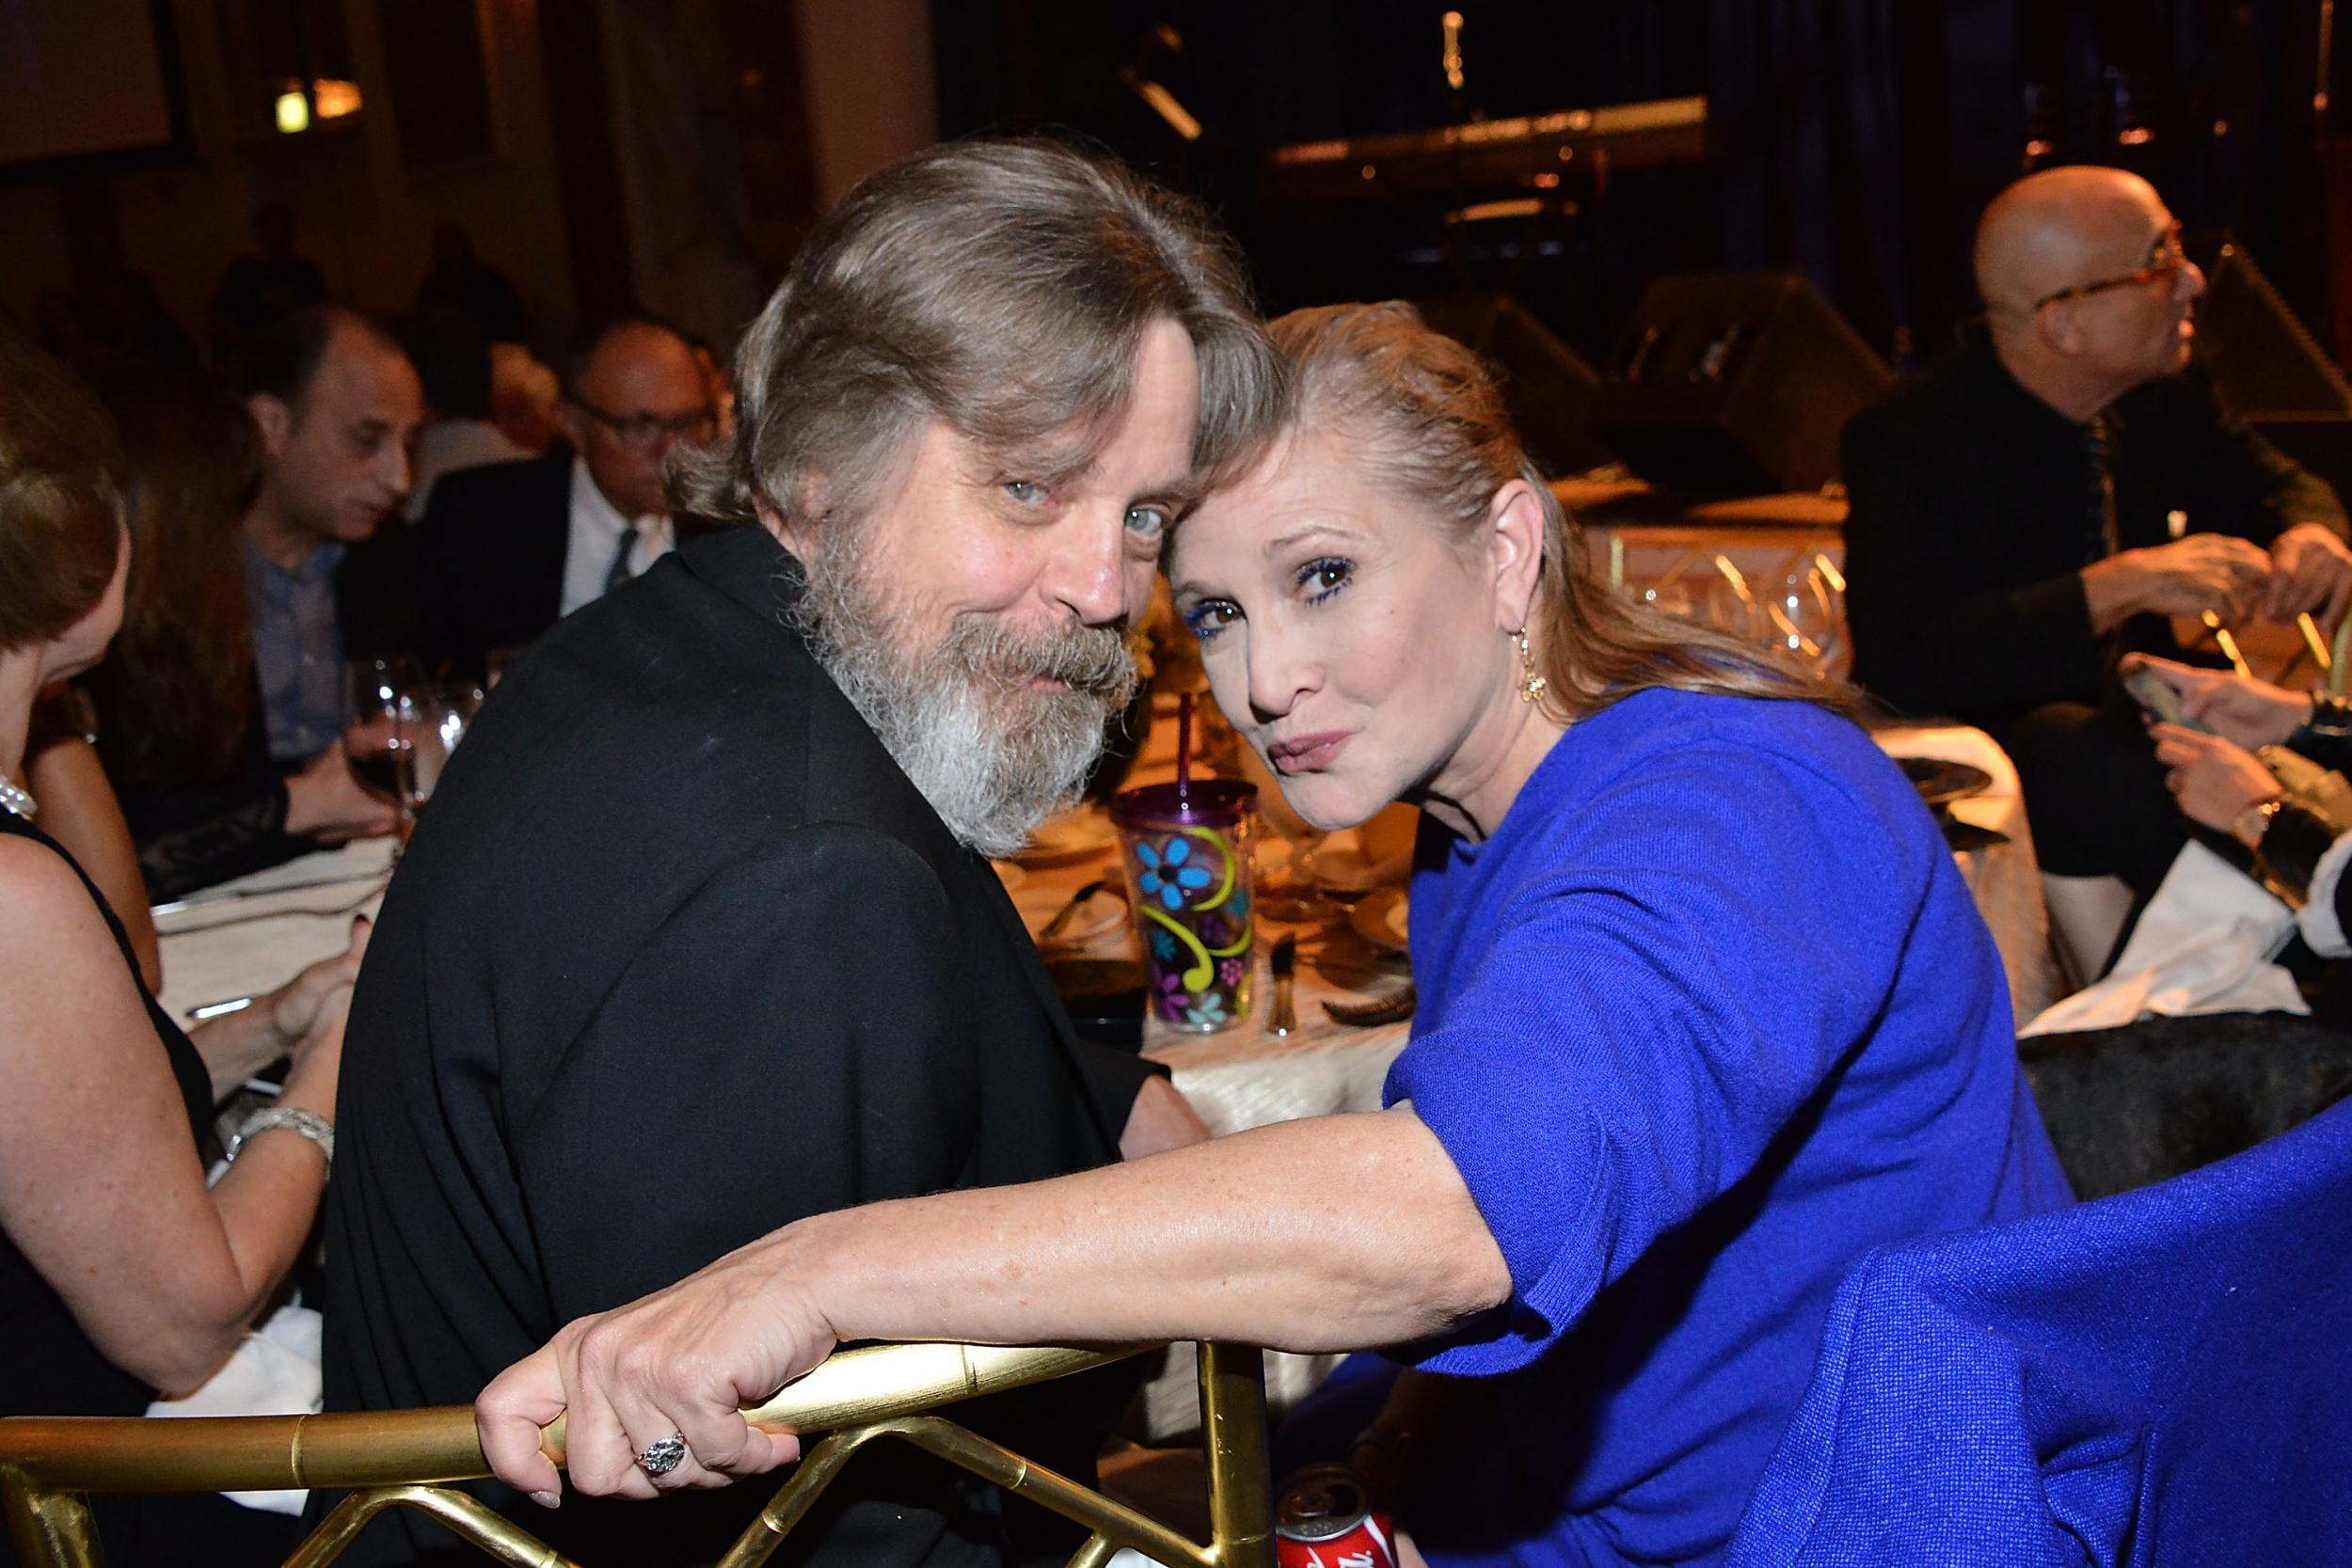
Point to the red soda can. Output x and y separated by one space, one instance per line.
1324 1519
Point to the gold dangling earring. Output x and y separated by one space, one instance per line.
1531 685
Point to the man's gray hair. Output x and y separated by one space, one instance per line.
1002 286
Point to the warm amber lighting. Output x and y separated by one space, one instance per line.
2139 135
294 112
335 99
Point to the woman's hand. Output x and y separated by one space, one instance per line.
2237 707
2213 780
653 1369
313 1002
324 802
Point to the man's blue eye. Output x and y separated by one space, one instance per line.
1028 492
1146 520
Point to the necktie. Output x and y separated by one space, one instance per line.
618 572
2099 541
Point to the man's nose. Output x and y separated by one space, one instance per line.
1088 574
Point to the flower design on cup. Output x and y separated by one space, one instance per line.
1167 874
1208 1012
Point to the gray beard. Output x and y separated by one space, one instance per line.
993 755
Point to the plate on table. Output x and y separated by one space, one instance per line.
1068 837
1939 782
1380 918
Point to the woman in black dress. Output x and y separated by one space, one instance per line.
123 1275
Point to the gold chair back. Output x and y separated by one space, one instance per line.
410 1458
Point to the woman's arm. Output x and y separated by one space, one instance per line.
1323 1234
78 809
99 1182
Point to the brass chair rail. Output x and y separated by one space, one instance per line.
406 1458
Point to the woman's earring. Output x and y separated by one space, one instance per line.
1531 684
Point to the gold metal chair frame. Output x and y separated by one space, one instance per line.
409 1458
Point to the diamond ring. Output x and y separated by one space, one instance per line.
662 1457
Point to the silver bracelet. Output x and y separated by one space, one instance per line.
307 1124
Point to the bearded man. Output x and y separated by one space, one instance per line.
700 935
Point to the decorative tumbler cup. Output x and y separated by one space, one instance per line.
1188 878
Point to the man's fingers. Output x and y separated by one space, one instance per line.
2332 614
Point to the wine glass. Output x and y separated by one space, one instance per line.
444 712
381 719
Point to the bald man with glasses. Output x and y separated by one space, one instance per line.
2039 503
508 549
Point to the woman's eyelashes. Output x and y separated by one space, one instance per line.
1317 580
1324 576
1210 616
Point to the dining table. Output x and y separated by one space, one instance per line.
226 945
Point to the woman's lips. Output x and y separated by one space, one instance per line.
1306 753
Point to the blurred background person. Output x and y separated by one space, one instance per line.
461 281
2013 532
176 706
122 1276
337 409
452 362
526 399
258 288
508 550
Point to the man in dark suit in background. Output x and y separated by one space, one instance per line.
700 934
2035 504
507 549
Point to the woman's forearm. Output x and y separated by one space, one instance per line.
1334 1233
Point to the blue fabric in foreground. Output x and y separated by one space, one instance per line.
2156 1378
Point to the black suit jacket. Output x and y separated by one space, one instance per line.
490 558
1968 529
678 955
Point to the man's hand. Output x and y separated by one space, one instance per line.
2187 577
2213 780
1161 1120
633 1376
2309 569
2237 707
325 800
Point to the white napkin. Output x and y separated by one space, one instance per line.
2202 946
274 1372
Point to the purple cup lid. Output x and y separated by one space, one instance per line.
1209 803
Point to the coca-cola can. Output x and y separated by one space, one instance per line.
1324 1519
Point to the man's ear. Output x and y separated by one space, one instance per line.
272 419
2058 329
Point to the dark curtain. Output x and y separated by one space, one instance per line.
1858 139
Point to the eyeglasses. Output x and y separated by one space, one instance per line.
649 432
2164 268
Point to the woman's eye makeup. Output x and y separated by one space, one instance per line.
1210 616
1323 577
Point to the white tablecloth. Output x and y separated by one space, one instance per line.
2005 877
249 936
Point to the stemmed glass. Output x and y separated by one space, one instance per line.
381 716
1297 899
443 712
